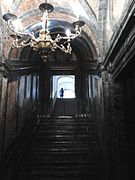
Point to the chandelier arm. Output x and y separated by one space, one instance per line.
61 48
27 34
71 37
25 44
68 49
20 33
78 33
57 39
22 44
8 25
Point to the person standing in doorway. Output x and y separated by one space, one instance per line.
61 92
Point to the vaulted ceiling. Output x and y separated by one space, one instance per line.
100 17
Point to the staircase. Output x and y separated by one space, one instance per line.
62 148
65 106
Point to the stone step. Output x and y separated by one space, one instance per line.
59 165
56 161
62 149
64 145
59 170
64 155
51 140
58 174
70 122
57 177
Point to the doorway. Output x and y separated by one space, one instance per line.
67 82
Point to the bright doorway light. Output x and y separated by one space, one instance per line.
67 82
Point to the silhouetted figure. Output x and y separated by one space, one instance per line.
61 92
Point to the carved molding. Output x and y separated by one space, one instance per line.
17 67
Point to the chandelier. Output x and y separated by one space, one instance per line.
45 43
